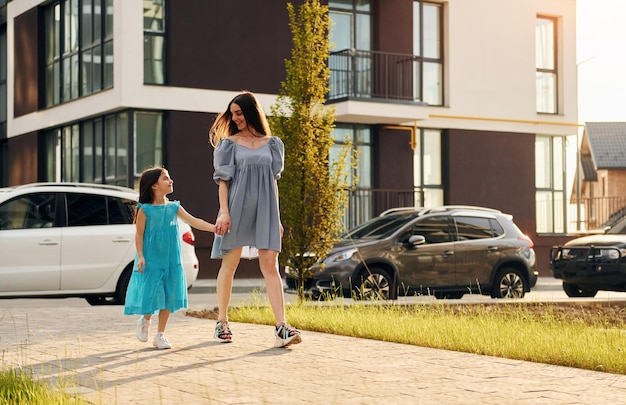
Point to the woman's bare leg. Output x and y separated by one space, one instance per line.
224 286
268 262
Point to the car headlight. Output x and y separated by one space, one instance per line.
343 255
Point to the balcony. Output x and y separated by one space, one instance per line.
600 212
361 80
364 204
357 74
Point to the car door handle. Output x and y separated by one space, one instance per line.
48 242
121 240
492 249
447 253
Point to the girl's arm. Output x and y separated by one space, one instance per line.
140 225
222 224
195 222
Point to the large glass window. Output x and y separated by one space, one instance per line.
79 48
427 172
148 140
550 184
545 53
154 41
361 201
351 41
428 54
100 150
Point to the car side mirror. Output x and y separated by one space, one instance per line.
417 240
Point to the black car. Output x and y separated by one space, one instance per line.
592 263
446 252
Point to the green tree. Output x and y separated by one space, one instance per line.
313 189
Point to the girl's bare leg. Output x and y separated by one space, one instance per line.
164 315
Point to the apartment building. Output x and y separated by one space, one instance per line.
448 102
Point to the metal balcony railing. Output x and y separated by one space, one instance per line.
370 74
600 212
364 204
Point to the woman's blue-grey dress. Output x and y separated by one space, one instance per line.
163 284
252 195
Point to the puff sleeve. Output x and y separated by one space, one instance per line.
278 156
224 161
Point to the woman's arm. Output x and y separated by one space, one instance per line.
195 222
140 225
278 205
222 224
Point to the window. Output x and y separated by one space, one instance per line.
550 184
546 77
471 228
428 54
148 140
351 41
434 229
360 206
86 209
154 41
29 212
427 172
121 211
79 49
101 150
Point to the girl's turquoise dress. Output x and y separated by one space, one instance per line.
162 285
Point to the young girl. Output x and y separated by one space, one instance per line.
158 281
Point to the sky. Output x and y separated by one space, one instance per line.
601 58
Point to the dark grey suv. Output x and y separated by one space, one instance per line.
447 252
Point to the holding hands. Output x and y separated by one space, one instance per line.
222 225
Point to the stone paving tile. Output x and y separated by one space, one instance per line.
93 351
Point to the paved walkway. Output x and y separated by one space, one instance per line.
93 350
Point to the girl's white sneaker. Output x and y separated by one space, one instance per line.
143 328
161 342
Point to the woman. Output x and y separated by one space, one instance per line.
248 161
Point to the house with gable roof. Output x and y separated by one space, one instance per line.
603 174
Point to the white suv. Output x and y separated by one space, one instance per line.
72 240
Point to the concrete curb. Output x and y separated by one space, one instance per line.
248 285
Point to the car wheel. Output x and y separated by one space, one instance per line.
509 283
375 283
574 291
119 298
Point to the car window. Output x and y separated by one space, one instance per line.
121 211
86 209
434 229
619 228
470 228
28 212
380 227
